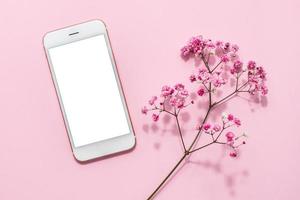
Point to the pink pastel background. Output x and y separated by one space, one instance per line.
35 157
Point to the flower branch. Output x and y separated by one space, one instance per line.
174 99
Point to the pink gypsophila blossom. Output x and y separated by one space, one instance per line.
155 117
237 121
179 87
206 126
230 117
166 91
180 103
235 48
183 93
201 91
237 67
194 47
217 79
216 128
144 110
233 56
233 154
203 75
152 100
173 101
251 65
193 78
225 58
171 96
230 136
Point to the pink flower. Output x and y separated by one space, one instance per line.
184 93
179 87
233 154
193 78
219 51
155 117
180 103
195 46
185 52
206 126
224 58
257 74
230 136
226 47
201 91
230 117
237 121
237 67
152 100
216 128
219 43
167 91
233 56
203 75
251 65
217 80
209 44
144 110
261 72
235 48
173 101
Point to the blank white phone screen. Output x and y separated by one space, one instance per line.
89 91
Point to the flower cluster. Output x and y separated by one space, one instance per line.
204 76
224 54
199 46
195 46
215 130
230 120
171 100
217 78
231 139
211 129
237 67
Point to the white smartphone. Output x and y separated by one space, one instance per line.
89 90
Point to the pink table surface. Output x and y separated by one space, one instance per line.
35 157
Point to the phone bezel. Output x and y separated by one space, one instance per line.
76 33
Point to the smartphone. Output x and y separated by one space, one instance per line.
89 90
